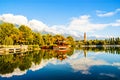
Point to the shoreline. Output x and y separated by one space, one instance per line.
99 45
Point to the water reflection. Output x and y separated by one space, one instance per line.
113 50
18 64
87 61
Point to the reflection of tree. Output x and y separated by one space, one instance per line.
7 64
24 61
37 57
47 54
60 55
69 53
112 50
6 68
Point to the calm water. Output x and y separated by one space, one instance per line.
77 64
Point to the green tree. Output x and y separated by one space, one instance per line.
70 40
38 39
7 30
26 35
48 39
8 41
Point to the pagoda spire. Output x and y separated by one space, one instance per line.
85 37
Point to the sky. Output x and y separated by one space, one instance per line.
98 18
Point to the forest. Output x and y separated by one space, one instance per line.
16 35
107 41
11 34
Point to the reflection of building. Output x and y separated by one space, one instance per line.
61 56
85 37
85 53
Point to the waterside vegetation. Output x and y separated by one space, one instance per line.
17 35
11 34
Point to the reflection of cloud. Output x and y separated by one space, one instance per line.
33 67
83 64
117 64
109 75
76 55
40 66
16 72
43 63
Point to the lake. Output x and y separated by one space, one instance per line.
75 64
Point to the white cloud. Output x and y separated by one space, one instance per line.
83 24
107 14
37 25
74 28
57 29
16 19
117 23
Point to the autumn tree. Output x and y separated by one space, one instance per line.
38 39
70 40
7 30
26 36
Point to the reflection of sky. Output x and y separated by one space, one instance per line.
105 56
93 63
33 67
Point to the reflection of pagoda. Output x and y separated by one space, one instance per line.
85 53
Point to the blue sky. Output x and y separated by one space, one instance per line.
54 13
